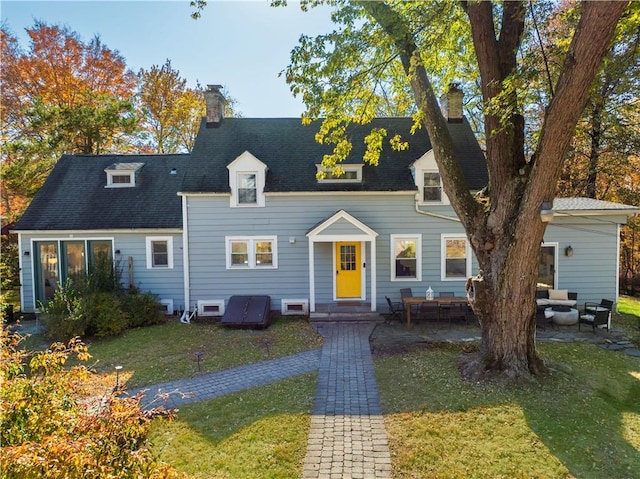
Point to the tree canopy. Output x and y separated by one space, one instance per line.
405 52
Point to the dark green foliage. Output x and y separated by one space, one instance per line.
104 313
142 309
9 262
97 305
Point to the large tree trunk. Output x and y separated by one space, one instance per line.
505 228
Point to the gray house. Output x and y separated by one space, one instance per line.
246 214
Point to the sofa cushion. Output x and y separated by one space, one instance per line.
558 294
556 302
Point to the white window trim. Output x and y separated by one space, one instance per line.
148 242
236 190
122 169
421 189
356 168
418 240
168 306
303 305
203 303
111 184
427 164
246 163
443 256
251 240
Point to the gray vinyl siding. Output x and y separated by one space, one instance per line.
210 220
166 283
592 270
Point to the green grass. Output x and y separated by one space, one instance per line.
167 352
628 317
258 433
582 420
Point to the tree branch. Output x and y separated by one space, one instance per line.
454 182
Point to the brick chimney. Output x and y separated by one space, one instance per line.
215 102
451 104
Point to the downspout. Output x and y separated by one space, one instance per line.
20 268
185 253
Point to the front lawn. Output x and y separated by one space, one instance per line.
583 420
167 352
258 433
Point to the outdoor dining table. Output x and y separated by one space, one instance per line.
417 300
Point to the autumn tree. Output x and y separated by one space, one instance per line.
503 222
608 131
171 112
161 88
61 421
60 95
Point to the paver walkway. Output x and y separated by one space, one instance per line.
208 386
347 437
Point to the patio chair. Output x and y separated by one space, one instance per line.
408 293
396 310
446 309
592 307
597 318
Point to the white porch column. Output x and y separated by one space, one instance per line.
312 283
374 281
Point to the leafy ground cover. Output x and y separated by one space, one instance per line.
167 352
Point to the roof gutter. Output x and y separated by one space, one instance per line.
434 215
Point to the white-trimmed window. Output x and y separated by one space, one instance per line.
343 174
431 187
247 176
428 181
159 252
122 175
252 252
406 258
247 188
456 258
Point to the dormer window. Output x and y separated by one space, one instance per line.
428 181
247 176
122 175
432 189
349 174
247 189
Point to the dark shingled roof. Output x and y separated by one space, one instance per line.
290 151
74 196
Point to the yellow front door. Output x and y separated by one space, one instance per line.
348 273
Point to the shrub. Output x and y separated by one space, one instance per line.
59 422
104 314
97 306
142 309
64 313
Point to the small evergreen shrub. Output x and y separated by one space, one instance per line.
104 314
142 309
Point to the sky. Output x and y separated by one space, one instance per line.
239 44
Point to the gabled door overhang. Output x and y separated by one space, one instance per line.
341 227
